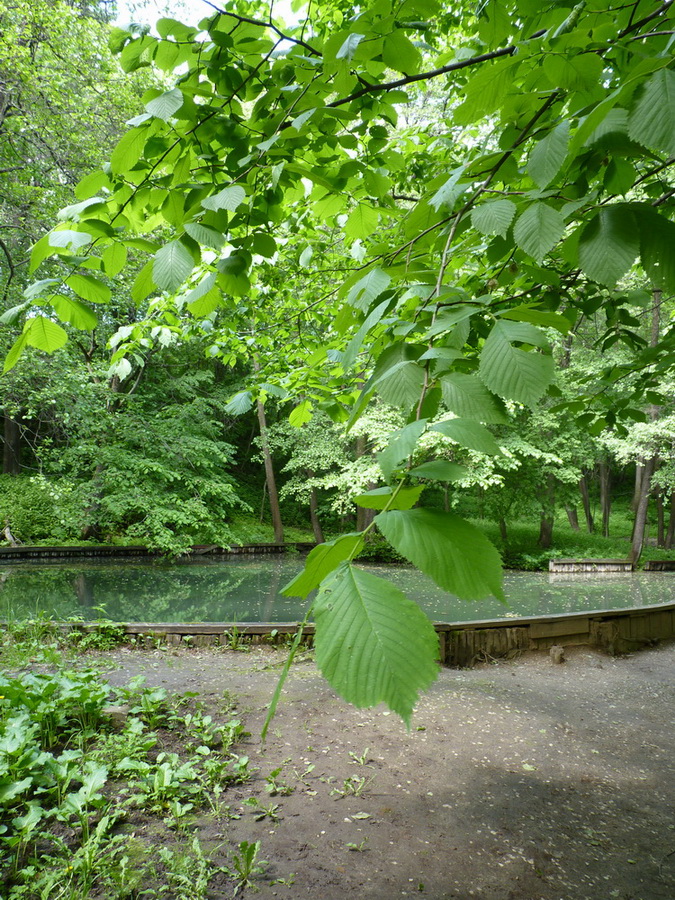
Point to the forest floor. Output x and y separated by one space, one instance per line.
519 780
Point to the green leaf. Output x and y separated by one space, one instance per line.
320 562
89 288
469 434
652 119
397 379
513 372
122 369
143 282
11 316
204 298
64 238
348 49
172 266
301 414
264 244
573 73
466 395
353 347
378 498
15 352
609 244
401 445
72 213
164 106
128 151
368 288
454 553
373 644
70 310
538 317
362 222
114 259
486 91
548 155
229 198
43 334
204 235
440 470
538 230
91 184
241 403
493 217
39 287
449 191
657 248
400 54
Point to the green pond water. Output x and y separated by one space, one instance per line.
246 589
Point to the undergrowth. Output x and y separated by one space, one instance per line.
82 765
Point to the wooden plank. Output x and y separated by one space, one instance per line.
567 626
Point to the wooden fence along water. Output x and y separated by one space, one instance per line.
460 644
11 555
591 566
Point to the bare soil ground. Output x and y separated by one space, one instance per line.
520 780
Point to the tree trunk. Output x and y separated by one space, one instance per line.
364 517
91 530
660 521
11 451
547 515
637 490
572 517
502 530
671 524
272 493
586 502
545 531
641 511
605 497
9 537
650 464
314 517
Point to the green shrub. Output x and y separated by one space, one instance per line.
36 508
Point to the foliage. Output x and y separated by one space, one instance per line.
37 508
280 151
67 783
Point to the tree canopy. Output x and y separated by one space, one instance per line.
403 200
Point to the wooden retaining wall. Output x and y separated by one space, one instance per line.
660 565
461 644
594 566
21 554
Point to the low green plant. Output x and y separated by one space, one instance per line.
60 764
358 848
262 811
35 639
104 635
246 865
187 873
275 785
361 760
354 786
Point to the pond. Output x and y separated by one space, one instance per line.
246 589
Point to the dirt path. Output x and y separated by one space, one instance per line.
519 780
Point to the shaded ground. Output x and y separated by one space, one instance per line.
520 780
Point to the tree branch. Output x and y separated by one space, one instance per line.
10 263
263 24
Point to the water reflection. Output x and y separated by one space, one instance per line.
247 590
